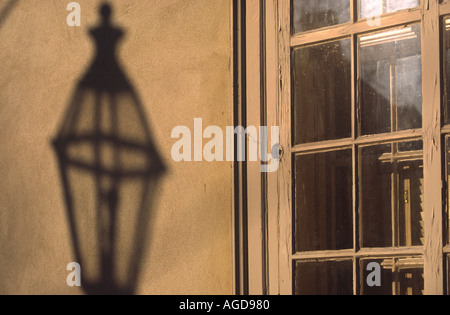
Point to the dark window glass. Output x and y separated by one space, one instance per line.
324 278
447 220
324 206
391 195
391 80
448 274
313 14
446 44
322 92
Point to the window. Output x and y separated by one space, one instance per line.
362 124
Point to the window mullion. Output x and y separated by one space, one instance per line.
433 260
285 171
354 11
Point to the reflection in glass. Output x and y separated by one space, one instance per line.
324 206
324 278
322 92
313 14
371 8
391 195
391 80
399 276
446 45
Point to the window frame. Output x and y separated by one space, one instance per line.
434 252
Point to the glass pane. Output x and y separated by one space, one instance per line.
371 8
322 92
448 274
447 225
391 195
391 80
397 276
313 14
323 199
324 278
446 44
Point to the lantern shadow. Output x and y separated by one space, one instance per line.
6 10
110 170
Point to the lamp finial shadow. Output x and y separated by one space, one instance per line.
110 169
6 10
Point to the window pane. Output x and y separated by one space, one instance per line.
446 44
371 8
447 144
324 278
322 92
391 80
312 14
324 206
391 200
448 274
399 276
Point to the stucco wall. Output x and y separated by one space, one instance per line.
177 54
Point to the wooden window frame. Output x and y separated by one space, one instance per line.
270 198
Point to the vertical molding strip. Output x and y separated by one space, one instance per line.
433 265
263 122
254 184
285 171
272 89
240 215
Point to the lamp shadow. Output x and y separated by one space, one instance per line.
6 10
110 170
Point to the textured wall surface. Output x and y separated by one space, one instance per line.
177 54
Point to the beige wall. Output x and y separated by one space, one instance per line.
177 53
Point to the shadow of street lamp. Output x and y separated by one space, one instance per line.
6 10
110 170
